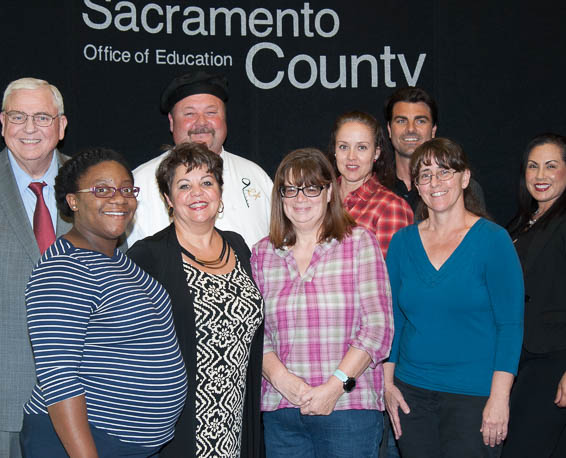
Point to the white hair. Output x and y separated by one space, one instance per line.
34 83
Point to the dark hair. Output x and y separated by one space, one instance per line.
67 180
448 155
307 167
191 155
411 95
384 166
527 203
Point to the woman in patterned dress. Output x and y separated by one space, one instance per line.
217 309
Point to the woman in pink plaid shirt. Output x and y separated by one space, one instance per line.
328 319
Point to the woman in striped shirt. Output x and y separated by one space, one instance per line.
111 379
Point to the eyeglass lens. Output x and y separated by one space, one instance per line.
308 191
127 191
39 119
441 175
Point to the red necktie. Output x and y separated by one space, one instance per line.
42 224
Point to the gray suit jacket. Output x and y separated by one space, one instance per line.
18 255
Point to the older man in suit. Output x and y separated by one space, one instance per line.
33 123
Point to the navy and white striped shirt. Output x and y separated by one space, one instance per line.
103 327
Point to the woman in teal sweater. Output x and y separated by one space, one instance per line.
458 307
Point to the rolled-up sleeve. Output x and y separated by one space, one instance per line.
376 325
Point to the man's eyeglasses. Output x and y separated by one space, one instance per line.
105 192
39 119
441 175
293 191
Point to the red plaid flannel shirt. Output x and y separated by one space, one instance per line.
379 210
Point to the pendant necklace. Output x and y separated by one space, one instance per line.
533 218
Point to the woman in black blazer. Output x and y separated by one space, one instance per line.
217 309
538 399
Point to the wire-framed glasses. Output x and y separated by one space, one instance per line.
39 119
441 175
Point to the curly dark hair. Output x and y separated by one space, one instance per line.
67 180
191 155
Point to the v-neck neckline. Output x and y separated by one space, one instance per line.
320 250
457 253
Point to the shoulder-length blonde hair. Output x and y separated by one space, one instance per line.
307 167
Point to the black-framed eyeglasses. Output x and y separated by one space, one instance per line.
39 119
105 192
293 191
441 175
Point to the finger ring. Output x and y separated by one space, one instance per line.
499 434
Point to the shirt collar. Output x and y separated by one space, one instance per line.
400 186
23 179
367 190
319 252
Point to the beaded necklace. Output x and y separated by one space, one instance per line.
217 263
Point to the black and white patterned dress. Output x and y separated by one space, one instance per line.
228 310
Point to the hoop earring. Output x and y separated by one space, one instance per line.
221 207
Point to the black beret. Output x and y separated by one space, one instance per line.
199 82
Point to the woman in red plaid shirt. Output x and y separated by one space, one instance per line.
363 159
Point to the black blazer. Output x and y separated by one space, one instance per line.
160 256
545 289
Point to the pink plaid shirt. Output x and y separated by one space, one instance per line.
379 210
342 300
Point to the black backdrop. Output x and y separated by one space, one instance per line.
496 69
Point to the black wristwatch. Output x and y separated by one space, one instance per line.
348 383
